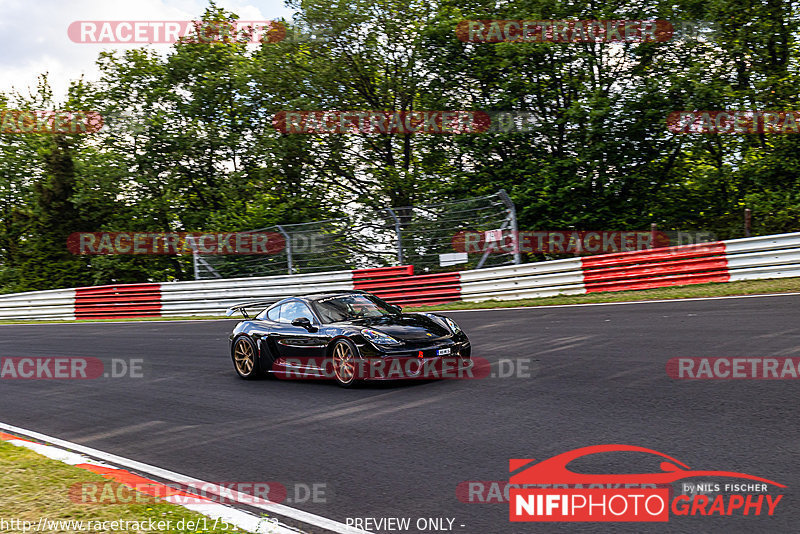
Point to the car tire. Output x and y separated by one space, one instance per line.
245 358
344 358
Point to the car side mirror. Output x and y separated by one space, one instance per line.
302 321
398 308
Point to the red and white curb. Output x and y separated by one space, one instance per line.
62 451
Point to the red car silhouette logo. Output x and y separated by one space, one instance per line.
555 471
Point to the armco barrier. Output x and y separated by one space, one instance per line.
398 285
528 280
118 301
756 258
648 269
775 256
212 297
382 272
52 304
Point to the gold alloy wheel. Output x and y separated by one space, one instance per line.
344 363
243 357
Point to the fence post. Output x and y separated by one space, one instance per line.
398 232
492 246
747 220
512 215
288 240
197 261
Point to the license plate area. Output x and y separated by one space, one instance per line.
443 352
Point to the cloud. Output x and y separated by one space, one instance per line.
33 34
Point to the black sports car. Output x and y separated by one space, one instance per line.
346 336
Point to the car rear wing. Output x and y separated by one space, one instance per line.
242 308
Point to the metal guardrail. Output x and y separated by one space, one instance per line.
50 304
757 258
212 297
753 258
407 289
530 280
648 269
118 301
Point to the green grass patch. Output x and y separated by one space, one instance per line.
33 487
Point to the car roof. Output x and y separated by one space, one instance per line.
312 297
321 295
328 294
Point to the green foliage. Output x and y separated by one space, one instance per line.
189 143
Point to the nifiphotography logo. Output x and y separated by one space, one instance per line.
570 496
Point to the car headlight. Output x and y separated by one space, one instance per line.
452 324
379 338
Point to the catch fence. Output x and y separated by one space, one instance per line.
422 236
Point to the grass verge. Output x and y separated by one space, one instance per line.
34 487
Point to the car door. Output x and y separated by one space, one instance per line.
271 331
296 342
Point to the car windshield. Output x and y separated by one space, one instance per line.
347 307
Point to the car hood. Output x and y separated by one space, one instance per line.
404 327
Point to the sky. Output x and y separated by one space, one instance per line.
34 40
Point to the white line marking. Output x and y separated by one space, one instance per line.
60 455
546 306
280 509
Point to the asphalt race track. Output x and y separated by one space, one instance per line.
597 376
